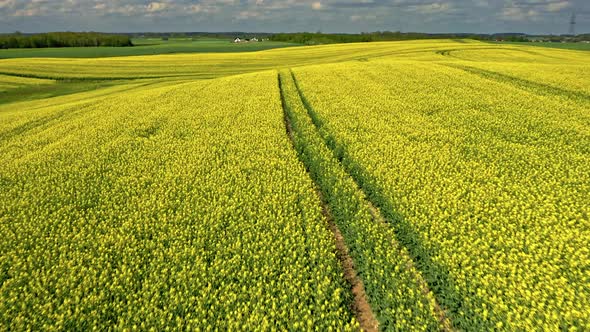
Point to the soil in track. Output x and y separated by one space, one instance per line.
360 305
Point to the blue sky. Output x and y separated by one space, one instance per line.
485 16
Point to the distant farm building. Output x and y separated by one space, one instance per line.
245 40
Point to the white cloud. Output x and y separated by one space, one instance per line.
432 8
28 12
156 6
519 14
359 18
296 15
248 15
557 6
7 4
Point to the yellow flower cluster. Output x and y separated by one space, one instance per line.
486 176
181 206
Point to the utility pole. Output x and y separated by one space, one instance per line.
572 30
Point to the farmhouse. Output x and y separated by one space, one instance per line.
245 40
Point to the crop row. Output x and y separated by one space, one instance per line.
569 86
392 284
486 181
174 207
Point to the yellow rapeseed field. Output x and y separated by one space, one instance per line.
208 191
163 207
487 175
211 65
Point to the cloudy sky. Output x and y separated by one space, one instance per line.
531 16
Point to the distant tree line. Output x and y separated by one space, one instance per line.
197 35
309 38
63 39
543 38
517 39
328 38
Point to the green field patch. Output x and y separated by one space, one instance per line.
60 88
146 47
